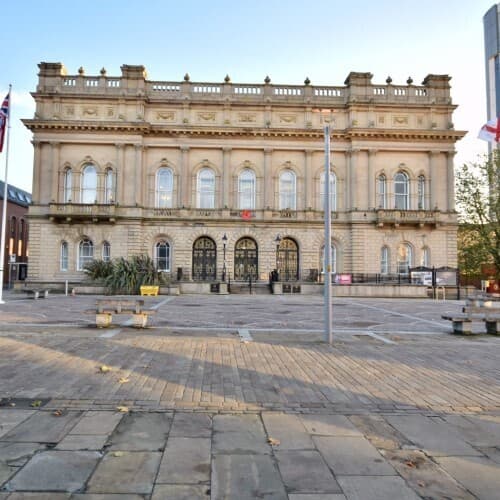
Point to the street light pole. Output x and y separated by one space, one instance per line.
278 241
224 241
328 240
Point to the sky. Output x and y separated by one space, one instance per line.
288 40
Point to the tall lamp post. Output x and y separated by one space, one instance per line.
328 334
278 241
224 241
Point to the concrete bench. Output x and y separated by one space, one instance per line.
462 323
105 308
37 293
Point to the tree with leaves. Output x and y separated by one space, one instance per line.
478 204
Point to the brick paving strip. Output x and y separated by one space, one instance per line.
220 415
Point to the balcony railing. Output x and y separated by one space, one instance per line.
82 211
408 217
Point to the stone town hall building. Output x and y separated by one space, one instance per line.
181 170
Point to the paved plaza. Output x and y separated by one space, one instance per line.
238 397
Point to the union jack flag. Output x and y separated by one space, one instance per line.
4 114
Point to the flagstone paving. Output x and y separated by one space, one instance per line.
399 409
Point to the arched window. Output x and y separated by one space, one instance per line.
405 258
246 189
246 259
164 187
63 266
333 191
426 257
206 188
106 251
421 192
109 188
162 256
401 191
67 185
13 234
85 253
287 190
20 238
381 191
333 259
384 260
89 184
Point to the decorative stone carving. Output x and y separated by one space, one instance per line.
110 112
206 116
247 117
90 111
69 111
400 120
165 115
288 118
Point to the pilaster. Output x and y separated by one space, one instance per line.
184 194
120 177
434 176
268 187
226 200
55 156
308 180
450 178
372 153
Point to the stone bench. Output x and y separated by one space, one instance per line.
462 323
38 293
105 308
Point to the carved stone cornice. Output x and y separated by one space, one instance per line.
169 131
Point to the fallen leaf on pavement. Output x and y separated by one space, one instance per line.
118 453
57 413
104 369
36 403
122 409
273 441
409 463
124 380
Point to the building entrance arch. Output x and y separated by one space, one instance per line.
246 260
204 259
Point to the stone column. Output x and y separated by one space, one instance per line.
450 178
37 160
268 188
434 177
137 173
226 198
371 179
120 177
184 191
55 154
309 181
353 181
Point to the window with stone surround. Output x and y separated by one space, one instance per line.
287 190
246 189
401 191
164 188
106 251
89 184
425 260
162 256
85 253
405 258
381 191
109 186
67 185
421 192
206 188
63 266
384 260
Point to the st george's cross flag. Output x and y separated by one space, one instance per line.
491 131
4 114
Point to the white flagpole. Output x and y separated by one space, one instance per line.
5 193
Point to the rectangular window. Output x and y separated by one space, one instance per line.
64 257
